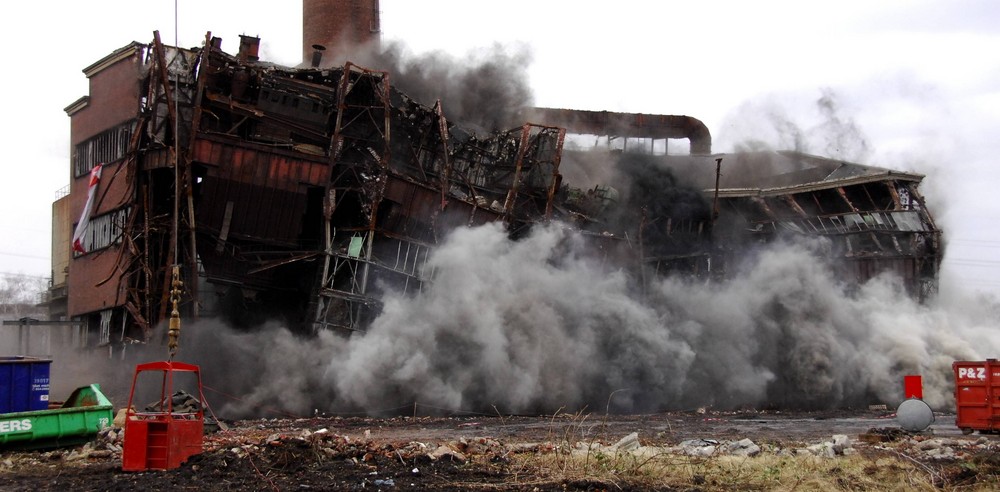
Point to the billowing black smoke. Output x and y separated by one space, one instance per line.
655 205
483 91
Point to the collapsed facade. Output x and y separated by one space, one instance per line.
299 193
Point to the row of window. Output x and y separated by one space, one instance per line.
106 147
104 230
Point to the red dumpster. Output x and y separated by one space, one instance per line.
977 395
164 437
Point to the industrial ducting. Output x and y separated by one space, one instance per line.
629 125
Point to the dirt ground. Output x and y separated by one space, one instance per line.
502 453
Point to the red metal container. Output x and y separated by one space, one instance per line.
977 395
164 438
913 387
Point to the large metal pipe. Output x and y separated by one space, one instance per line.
637 125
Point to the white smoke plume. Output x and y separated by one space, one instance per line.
768 124
539 324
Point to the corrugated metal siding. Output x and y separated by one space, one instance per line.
268 190
906 268
271 168
419 205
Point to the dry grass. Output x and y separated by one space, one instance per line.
594 467
764 472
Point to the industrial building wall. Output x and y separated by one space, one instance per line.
114 94
94 276
62 224
114 101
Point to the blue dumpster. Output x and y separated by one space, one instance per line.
24 384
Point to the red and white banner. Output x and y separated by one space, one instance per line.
81 227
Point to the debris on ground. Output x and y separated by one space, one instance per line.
446 454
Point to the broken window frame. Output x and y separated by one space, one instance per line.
106 147
104 231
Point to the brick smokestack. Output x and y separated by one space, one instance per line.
338 24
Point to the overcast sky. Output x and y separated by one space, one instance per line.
920 80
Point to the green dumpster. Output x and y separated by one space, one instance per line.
84 414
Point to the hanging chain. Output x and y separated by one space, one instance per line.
174 331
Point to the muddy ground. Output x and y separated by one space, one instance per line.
462 453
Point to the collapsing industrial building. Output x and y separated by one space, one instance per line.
300 193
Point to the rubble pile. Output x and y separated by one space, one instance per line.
443 453
259 438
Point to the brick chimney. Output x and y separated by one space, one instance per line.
338 24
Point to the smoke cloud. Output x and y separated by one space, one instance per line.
649 185
484 91
828 132
842 135
537 325
530 331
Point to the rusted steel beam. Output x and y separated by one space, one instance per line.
891 186
165 290
121 267
168 94
147 305
445 164
161 63
227 218
508 206
248 110
203 68
285 261
877 242
819 206
871 200
762 203
843 194
915 195
715 198
556 177
790 200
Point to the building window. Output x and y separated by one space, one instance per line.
104 337
106 147
104 230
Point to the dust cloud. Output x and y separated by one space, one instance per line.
537 325
533 331
767 124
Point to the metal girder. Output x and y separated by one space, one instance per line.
360 141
